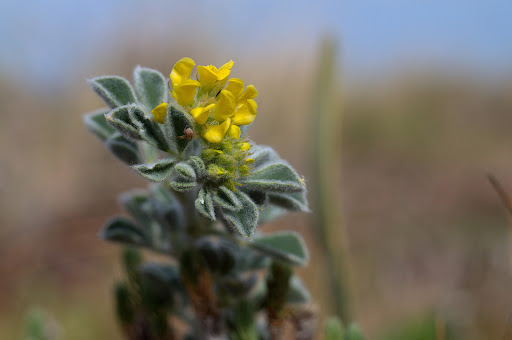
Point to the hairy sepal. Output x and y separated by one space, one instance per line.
175 124
204 204
183 177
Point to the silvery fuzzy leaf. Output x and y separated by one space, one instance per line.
226 199
115 91
135 203
277 177
285 246
204 203
148 129
123 148
157 171
263 155
297 292
97 124
244 220
295 201
150 86
121 120
167 208
175 124
122 230
270 213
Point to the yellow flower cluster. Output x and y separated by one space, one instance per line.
218 108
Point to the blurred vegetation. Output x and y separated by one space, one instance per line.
426 232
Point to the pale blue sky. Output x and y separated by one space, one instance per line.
46 39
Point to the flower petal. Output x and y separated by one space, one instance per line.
246 113
185 91
245 146
249 93
234 131
207 75
235 86
225 106
159 113
181 71
215 134
227 66
200 114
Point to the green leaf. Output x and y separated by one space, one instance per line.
353 332
147 128
278 177
121 120
97 124
297 292
270 213
122 230
158 283
135 202
115 91
244 220
204 204
333 329
167 208
295 201
227 199
157 171
263 155
286 246
125 309
175 124
124 149
150 86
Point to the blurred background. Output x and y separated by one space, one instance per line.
422 112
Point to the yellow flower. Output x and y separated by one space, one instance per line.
225 106
245 113
183 88
235 86
234 131
181 71
200 114
159 113
215 133
245 146
209 75
246 107
185 92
